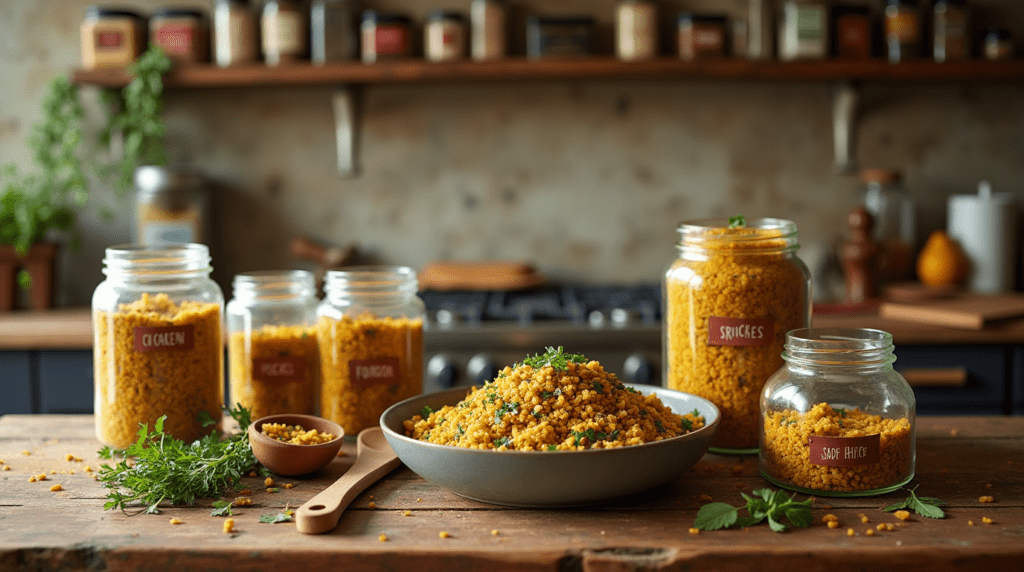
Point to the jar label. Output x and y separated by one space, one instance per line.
281 369
108 40
810 23
740 331
844 451
164 338
707 39
854 36
391 40
374 371
175 40
903 27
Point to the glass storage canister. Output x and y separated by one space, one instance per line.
385 36
701 36
158 348
803 30
487 20
444 36
837 420
170 206
273 359
283 32
894 217
234 33
111 38
370 334
730 297
184 35
636 30
950 31
902 30
334 35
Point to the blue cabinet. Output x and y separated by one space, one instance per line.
16 382
984 391
65 382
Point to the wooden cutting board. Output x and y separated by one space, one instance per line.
967 311
490 275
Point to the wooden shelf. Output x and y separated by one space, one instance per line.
598 68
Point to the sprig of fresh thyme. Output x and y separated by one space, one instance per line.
556 358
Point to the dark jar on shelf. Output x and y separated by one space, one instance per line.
701 36
950 31
902 30
851 32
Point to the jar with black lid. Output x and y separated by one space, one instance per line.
701 36
837 419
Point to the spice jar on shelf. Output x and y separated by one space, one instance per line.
385 36
234 33
731 296
701 36
273 360
370 335
851 32
636 30
334 35
998 44
157 348
837 420
902 30
950 31
444 36
283 32
170 206
111 38
184 35
487 36
803 30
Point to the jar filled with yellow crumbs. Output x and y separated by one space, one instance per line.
157 348
273 359
732 294
838 420
370 334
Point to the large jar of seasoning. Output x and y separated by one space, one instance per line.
334 31
111 38
950 31
385 36
902 30
157 347
730 297
444 36
184 35
283 32
636 30
701 36
837 420
273 363
487 20
234 33
170 206
370 333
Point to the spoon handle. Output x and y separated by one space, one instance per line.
320 514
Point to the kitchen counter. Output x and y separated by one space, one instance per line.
959 460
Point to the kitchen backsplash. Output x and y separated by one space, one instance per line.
587 180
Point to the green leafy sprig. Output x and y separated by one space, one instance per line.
221 508
738 221
764 504
924 506
276 518
556 358
165 469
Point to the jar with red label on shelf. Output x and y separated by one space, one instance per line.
950 31
283 32
111 38
903 30
157 347
444 36
273 359
851 32
837 419
370 336
701 36
385 36
184 35
734 291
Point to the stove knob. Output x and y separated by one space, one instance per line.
638 369
481 369
441 372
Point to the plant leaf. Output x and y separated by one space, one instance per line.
800 516
898 506
927 510
714 516
221 508
775 525
275 518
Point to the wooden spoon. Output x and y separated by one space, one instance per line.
375 459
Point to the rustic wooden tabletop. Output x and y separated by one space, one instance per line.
959 460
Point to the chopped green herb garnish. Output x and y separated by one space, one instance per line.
686 423
557 359
598 387
426 411
840 411
657 423
508 408
552 447
504 441
738 221
765 503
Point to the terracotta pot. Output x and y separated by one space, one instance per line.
39 263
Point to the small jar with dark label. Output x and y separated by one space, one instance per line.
370 335
385 36
273 363
444 36
837 419
111 38
732 294
157 349
701 36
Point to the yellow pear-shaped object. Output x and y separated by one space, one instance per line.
941 262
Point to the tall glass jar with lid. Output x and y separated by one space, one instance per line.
837 420
157 347
370 333
732 294
273 360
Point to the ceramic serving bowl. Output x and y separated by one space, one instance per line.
287 459
550 478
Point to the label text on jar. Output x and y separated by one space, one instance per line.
844 451
740 331
374 371
283 369
164 338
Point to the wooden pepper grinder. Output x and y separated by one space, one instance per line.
860 255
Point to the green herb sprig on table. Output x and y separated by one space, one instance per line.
276 518
924 506
764 504
556 358
221 508
165 469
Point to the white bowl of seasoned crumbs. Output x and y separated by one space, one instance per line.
291 444
551 432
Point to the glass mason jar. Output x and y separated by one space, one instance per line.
370 333
273 363
730 297
837 420
158 348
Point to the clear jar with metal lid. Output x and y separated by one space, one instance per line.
732 294
273 360
370 334
837 419
158 348
170 206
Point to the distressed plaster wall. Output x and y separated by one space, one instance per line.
587 180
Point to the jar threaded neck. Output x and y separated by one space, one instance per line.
839 347
368 283
283 285
157 262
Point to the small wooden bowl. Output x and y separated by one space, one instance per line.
287 459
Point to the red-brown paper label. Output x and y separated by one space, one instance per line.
285 369
109 40
740 331
375 371
164 338
391 40
844 451
175 40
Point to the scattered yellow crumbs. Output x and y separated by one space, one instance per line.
695 531
885 526
371 497
383 537
252 473
870 532
371 505
229 525
407 513
242 501
988 486
245 492
26 453
69 457
71 472
268 482
986 499
289 485
419 500
53 471
88 469
833 524
970 523
863 518
41 477
175 521
342 454
706 498
31 479
902 514
295 434
494 532
56 488
953 432
850 532
830 518
443 534
987 520
7 467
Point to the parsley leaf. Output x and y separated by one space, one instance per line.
924 506
762 504
426 411
221 508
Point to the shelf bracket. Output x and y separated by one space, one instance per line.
845 104
345 101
